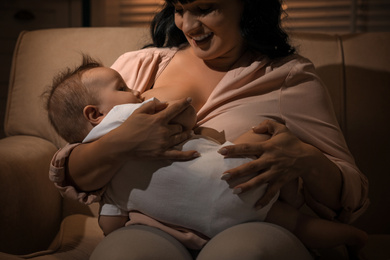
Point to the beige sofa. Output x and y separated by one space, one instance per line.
37 223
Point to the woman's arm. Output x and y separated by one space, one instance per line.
309 145
147 133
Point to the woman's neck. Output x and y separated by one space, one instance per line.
222 63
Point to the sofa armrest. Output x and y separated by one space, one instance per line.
31 210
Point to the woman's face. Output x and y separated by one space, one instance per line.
211 27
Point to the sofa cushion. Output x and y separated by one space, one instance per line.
76 239
30 205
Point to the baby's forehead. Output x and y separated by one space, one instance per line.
100 75
101 72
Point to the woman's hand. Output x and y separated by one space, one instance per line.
152 131
280 160
147 133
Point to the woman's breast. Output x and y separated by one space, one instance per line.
175 91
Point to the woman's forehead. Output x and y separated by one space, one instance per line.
179 1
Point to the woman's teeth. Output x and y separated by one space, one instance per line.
200 38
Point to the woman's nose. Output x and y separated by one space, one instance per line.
190 22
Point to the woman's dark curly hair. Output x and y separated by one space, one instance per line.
260 27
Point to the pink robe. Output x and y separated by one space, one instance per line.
286 90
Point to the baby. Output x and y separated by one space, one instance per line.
187 194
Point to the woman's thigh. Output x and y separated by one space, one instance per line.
255 241
139 243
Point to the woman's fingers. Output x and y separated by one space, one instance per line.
174 109
178 137
180 155
242 149
271 191
279 160
269 127
151 108
162 111
246 169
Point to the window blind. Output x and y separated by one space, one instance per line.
337 16
331 16
138 12
372 15
309 15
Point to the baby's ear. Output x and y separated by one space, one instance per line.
92 114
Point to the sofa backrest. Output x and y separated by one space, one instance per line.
355 68
367 102
59 48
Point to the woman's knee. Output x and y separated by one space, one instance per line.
254 241
138 243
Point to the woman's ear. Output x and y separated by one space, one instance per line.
92 114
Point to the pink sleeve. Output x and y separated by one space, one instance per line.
307 110
139 69
57 176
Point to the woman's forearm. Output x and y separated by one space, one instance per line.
323 180
90 167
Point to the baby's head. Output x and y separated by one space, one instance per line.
80 98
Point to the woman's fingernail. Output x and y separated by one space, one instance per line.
223 151
189 99
237 191
196 155
226 176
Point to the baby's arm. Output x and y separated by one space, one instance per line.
111 223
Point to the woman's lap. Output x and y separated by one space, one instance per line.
140 243
255 241
249 241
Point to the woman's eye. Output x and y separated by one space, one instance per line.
205 9
179 11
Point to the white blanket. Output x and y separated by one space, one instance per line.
190 194
113 119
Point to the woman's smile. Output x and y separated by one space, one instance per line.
202 38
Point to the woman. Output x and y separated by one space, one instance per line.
233 59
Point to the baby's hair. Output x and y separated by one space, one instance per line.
66 99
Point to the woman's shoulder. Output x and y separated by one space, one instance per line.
138 67
294 69
152 51
292 62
